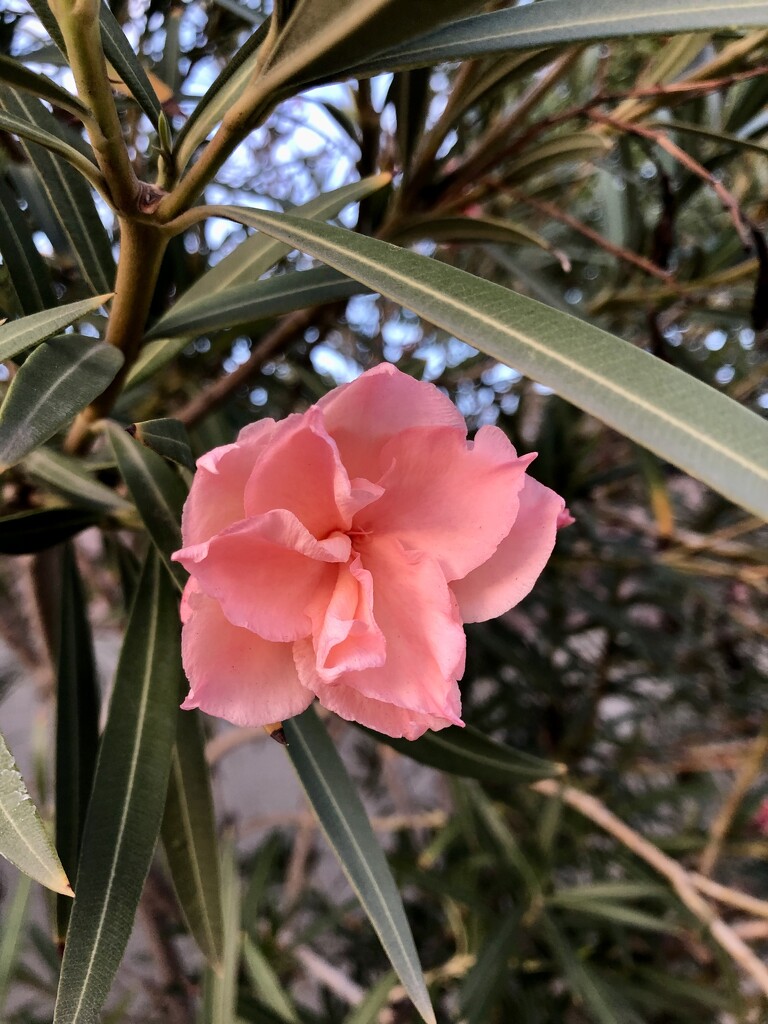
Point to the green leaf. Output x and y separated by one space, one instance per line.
77 723
322 35
14 73
664 409
220 987
14 916
374 1002
257 300
563 24
24 840
57 145
158 493
120 55
58 380
266 984
28 273
23 533
167 437
189 837
67 196
573 147
471 754
68 476
621 914
491 969
19 335
476 229
345 824
127 802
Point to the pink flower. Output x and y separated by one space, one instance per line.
335 554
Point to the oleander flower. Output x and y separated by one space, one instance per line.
335 555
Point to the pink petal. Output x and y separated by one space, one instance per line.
345 637
216 497
446 496
233 673
425 642
349 703
509 575
301 471
362 415
265 572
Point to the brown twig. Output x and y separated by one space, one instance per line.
680 880
748 771
553 211
289 328
729 201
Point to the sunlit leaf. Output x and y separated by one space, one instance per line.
58 380
19 335
24 840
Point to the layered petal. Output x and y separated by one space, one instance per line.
233 673
345 636
425 642
216 498
444 495
362 415
302 472
265 573
510 573
380 715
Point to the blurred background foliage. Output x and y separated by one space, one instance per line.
623 182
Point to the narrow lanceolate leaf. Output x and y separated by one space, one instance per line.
220 987
346 826
77 723
24 533
189 837
120 55
158 493
24 840
55 144
58 380
13 72
127 801
11 937
19 335
471 754
68 477
266 984
25 266
474 229
563 24
664 409
257 300
167 437
66 195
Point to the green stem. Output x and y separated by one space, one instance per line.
142 247
80 26
244 116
